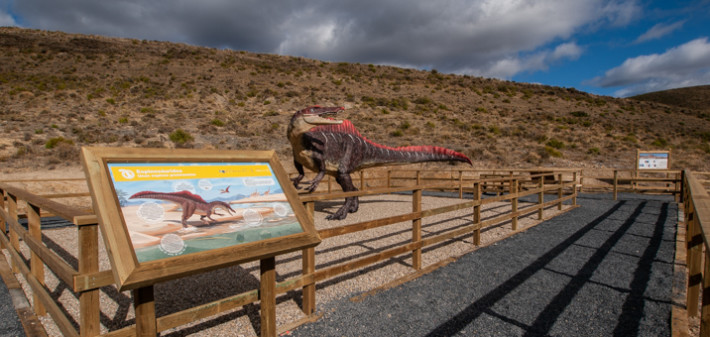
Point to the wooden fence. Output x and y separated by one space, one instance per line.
696 203
509 186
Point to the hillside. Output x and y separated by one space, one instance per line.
61 91
693 98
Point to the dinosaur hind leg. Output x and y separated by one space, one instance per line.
351 203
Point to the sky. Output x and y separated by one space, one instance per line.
605 47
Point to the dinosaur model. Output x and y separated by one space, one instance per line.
190 204
335 147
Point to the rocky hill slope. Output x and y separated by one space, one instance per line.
60 91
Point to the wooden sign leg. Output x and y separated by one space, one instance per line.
268 297
144 303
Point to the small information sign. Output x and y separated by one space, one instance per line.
653 160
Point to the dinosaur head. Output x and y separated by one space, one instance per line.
312 116
315 115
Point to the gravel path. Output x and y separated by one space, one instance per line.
599 270
9 324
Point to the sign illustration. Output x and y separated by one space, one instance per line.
174 209
653 160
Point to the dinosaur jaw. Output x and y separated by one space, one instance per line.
318 120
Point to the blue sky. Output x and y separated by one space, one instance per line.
606 47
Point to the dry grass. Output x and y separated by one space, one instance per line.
61 91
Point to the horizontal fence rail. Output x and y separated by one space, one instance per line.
476 190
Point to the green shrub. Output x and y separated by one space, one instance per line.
660 142
423 100
553 152
397 133
217 122
180 137
53 142
555 144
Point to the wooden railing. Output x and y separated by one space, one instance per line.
633 181
696 203
86 280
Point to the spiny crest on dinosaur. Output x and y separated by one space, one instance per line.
184 194
347 127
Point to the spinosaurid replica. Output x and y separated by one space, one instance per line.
335 147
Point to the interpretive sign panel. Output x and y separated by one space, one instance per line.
653 160
170 213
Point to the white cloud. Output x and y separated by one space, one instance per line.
506 67
451 36
566 51
659 30
684 65
6 19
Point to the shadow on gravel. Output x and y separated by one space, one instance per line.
632 311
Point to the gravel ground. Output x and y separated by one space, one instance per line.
9 324
173 296
599 270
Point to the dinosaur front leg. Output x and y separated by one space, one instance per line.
301 174
318 159
188 209
351 203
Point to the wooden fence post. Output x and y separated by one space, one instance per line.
581 181
514 203
389 178
90 324
477 213
460 184
559 192
144 304
34 223
616 184
309 267
541 196
267 296
419 177
14 238
417 229
574 188
2 220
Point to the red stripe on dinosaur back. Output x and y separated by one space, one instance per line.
347 127
183 194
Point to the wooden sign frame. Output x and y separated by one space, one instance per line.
129 272
645 160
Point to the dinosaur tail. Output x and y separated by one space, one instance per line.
417 154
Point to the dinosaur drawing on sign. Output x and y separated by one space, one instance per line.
190 204
335 147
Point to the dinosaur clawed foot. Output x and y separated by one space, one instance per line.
351 206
